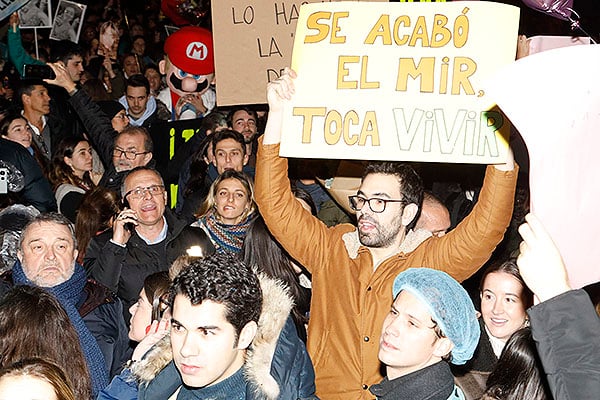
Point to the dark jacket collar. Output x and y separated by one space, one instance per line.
168 381
431 383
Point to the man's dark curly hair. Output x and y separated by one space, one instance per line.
411 185
225 280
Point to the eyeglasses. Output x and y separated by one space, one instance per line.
376 205
129 154
140 193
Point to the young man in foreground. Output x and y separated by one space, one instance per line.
432 322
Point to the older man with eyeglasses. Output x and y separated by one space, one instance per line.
121 147
145 238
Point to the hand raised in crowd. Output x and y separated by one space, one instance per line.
278 92
13 20
107 64
509 165
122 231
523 46
63 79
281 89
157 331
540 262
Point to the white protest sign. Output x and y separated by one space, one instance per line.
553 98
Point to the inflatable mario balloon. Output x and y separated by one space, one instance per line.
190 70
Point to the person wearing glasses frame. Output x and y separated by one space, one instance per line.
146 237
121 147
353 267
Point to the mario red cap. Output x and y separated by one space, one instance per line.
191 50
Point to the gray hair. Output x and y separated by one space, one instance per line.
51 217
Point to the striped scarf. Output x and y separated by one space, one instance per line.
227 238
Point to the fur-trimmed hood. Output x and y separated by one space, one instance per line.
276 308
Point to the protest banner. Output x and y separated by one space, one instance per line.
253 44
553 99
170 139
399 81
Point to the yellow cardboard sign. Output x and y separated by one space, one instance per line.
399 81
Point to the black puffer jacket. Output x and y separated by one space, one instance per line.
123 269
36 191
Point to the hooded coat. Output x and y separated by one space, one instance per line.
277 365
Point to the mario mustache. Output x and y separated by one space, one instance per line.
176 82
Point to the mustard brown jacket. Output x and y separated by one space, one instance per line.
350 296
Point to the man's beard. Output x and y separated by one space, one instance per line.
383 236
249 139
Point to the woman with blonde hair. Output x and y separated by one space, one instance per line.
228 211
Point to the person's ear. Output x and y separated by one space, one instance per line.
162 67
247 335
246 158
409 213
75 254
67 161
442 347
20 256
147 157
214 80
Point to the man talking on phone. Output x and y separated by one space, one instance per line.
145 238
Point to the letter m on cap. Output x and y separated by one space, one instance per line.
196 51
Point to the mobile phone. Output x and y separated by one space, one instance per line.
38 72
129 226
3 180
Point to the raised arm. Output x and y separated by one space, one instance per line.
304 237
16 53
278 92
465 249
97 125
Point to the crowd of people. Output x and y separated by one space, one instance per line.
249 281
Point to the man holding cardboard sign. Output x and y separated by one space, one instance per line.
353 268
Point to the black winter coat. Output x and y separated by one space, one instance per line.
123 269
565 330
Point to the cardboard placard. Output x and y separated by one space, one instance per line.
399 81
553 98
253 44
